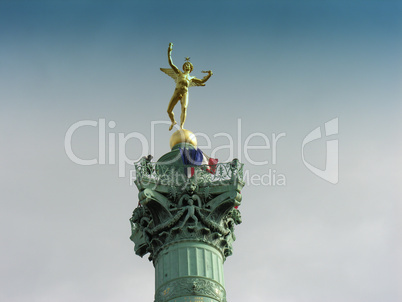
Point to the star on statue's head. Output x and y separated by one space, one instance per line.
187 59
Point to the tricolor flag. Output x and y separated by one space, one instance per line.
196 157
211 162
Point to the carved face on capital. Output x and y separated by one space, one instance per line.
236 216
191 188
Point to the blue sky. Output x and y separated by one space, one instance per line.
279 66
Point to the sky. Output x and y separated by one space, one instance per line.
281 69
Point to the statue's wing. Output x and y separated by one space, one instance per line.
196 82
170 72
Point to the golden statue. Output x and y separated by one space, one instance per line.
183 81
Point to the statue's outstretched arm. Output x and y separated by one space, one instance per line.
204 79
174 67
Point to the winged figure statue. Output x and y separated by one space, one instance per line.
183 82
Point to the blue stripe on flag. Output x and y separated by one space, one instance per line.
191 156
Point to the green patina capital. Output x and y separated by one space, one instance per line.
174 207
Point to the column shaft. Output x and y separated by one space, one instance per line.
189 271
